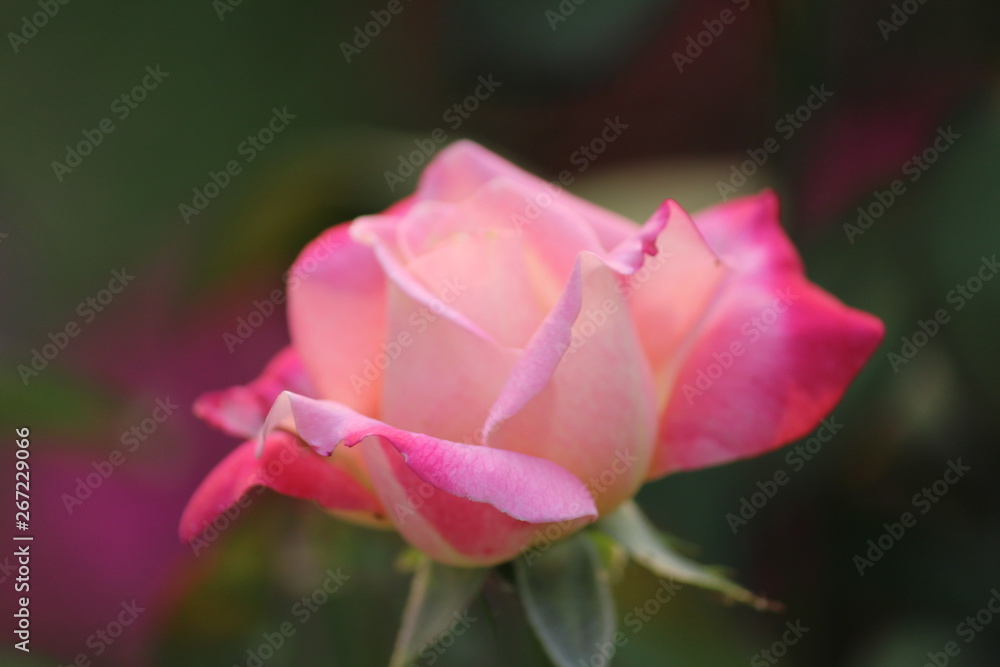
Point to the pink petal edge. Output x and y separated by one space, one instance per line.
240 410
524 487
285 466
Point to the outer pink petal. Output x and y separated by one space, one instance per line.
746 232
429 485
773 355
241 410
789 375
525 487
285 466
336 314
449 528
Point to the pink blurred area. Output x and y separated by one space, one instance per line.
119 545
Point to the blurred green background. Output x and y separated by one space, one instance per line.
899 73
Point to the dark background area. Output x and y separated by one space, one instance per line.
563 69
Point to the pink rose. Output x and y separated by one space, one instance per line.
507 356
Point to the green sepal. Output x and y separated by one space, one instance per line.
649 548
566 593
438 594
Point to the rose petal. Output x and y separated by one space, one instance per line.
495 230
673 293
536 365
747 233
285 466
483 277
525 487
629 255
447 311
550 341
440 378
241 410
772 357
336 315
448 528
380 233
582 395
461 169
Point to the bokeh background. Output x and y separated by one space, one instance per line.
900 73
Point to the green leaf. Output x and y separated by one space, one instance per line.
567 596
437 595
649 548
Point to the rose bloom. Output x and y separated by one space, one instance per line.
493 355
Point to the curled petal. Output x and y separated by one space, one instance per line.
525 487
746 231
773 360
241 410
286 466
